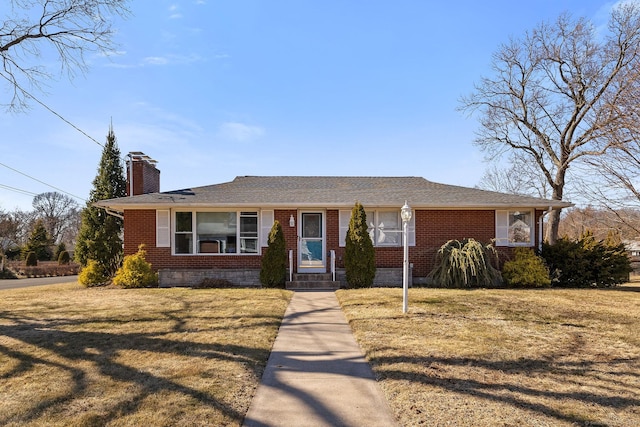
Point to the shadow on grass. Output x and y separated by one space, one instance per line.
437 376
101 349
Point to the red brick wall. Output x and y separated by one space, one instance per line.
146 178
140 227
290 233
433 228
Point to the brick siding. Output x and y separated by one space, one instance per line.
433 228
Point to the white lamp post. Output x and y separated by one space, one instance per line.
405 213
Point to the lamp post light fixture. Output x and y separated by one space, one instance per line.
405 214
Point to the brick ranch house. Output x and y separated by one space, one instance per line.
221 230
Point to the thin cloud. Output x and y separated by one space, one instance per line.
174 12
155 60
240 132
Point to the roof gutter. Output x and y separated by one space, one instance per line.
110 211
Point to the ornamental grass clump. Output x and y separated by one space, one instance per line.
136 272
466 264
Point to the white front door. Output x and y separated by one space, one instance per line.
311 246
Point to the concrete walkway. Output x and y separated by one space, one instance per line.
316 374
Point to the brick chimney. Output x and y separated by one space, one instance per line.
146 177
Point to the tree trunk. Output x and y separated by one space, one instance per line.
553 224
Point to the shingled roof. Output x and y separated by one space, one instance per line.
329 192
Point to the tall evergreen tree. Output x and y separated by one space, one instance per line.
359 253
100 233
274 262
39 242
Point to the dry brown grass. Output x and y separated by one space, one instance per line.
503 357
71 356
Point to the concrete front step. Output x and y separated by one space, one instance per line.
313 285
312 281
311 277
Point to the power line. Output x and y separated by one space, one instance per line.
17 190
51 110
42 182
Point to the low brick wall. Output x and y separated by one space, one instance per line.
188 277
385 277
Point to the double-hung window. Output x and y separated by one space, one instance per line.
384 227
216 232
514 228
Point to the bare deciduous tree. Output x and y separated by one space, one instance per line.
58 212
519 178
68 29
558 95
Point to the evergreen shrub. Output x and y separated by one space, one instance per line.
359 253
587 262
465 264
31 259
61 247
38 242
526 270
92 274
273 271
136 272
64 258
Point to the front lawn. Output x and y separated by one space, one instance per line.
71 356
503 357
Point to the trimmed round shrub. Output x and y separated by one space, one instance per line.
64 258
526 270
61 247
31 260
92 274
136 272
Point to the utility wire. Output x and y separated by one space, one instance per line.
50 110
42 182
64 120
17 190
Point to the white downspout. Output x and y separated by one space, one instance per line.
130 174
540 222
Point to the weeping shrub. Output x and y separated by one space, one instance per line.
136 272
526 270
465 264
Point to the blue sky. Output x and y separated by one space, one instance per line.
213 89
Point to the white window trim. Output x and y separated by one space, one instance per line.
344 216
267 218
502 228
194 240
